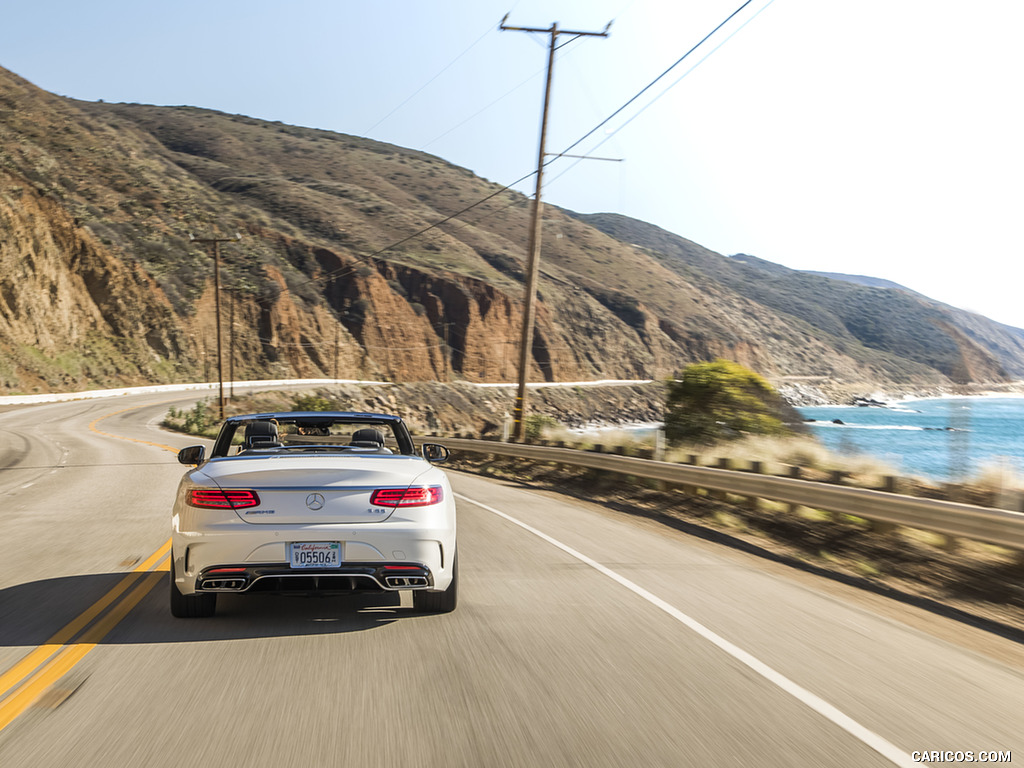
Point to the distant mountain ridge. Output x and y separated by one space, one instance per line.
879 316
872 282
100 284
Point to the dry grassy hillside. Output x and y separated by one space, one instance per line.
99 283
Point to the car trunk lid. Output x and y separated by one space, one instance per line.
310 490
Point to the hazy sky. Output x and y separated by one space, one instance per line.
876 137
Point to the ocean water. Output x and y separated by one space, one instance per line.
945 439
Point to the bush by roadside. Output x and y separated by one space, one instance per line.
201 420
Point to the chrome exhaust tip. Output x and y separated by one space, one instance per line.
405 582
223 584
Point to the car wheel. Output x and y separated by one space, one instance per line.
439 602
198 606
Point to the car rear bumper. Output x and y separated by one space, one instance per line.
350 577
372 559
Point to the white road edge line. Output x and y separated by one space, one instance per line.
881 745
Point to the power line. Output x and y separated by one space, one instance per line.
422 87
651 103
651 84
373 255
347 270
457 214
596 127
482 110
334 274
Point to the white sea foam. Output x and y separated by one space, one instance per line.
847 425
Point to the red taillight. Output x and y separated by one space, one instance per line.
212 498
407 497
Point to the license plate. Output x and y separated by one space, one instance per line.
315 554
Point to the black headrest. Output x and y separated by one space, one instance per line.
260 432
367 437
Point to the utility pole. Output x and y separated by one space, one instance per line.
216 292
336 331
206 364
447 354
533 264
231 347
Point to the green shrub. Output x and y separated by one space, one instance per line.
711 402
201 420
313 403
536 424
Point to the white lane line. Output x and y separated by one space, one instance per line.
884 747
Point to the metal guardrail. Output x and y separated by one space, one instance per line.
994 526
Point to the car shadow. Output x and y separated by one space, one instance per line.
32 613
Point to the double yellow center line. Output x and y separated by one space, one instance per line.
31 677
25 683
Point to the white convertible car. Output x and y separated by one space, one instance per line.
313 502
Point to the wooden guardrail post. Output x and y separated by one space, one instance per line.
795 473
754 502
723 463
653 454
836 477
890 484
693 460
559 466
648 453
620 450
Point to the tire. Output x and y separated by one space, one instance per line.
439 602
199 606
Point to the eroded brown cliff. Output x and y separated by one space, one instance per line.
340 273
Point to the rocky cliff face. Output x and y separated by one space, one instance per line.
71 312
339 273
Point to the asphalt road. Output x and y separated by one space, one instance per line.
583 638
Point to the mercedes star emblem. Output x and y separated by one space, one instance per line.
315 501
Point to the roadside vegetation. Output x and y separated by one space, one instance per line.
714 402
721 411
200 420
917 566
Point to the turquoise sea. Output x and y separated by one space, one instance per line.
939 439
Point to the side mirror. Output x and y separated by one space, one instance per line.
192 455
435 453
